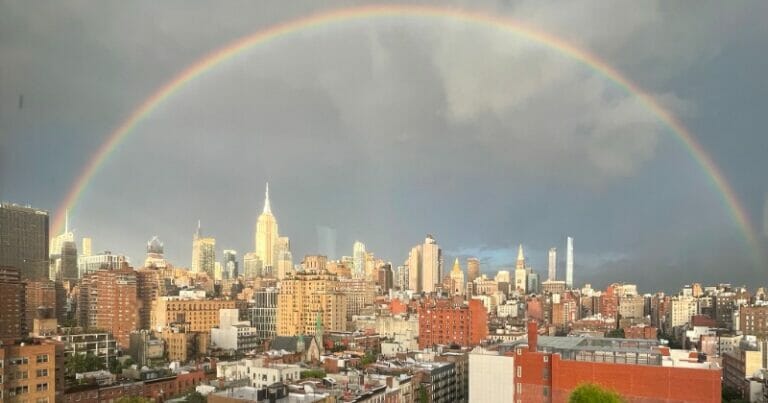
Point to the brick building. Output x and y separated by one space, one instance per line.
12 324
443 322
32 371
44 293
753 320
547 369
198 315
108 301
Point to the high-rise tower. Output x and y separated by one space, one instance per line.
457 279
521 275
266 234
473 269
358 259
203 253
552 275
569 263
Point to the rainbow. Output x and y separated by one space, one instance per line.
504 24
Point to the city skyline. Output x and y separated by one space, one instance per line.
472 169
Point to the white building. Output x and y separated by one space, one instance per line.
490 376
234 334
510 309
259 374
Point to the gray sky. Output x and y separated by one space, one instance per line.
389 129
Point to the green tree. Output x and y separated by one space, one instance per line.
369 358
133 399
591 393
313 373
196 397
423 398
79 363
616 334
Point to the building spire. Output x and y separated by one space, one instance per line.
520 256
197 233
456 266
267 208
66 221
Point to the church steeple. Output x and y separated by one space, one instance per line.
267 207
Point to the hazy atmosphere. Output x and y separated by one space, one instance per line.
385 129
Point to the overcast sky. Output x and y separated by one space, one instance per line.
386 130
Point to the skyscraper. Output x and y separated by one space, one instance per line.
24 240
87 247
473 269
431 257
414 269
358 259
283 256
252 265
457 279
326 241
569 263
155 252
266 235
203 254
552 264
229 262
521 281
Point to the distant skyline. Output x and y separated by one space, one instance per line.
386 130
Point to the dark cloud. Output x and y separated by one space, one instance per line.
386 130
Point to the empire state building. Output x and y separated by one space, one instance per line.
266 234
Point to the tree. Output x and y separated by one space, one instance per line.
196 397
616 333
591 393
369 358
423 398
313 373
79 363
133 399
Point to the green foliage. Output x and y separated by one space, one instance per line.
369 358
196 397
616 333
313 373
132 399
423 398
591 393
79 363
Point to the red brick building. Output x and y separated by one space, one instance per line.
157 390
444 322
753 320
547 369
641 332
109 299
12 324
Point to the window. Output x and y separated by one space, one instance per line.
519 388
18 361
519 351
519 371
42 387
545 390
41 400
42 372
546 358
41 358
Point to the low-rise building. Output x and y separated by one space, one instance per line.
234 334
259 372
32 371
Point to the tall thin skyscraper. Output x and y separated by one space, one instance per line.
552 264
431 256
521 275
473 269
358 259
63 258
569 263
283 257
230 263
87 247
326 241
266 235
203 254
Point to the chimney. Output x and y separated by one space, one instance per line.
533 336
